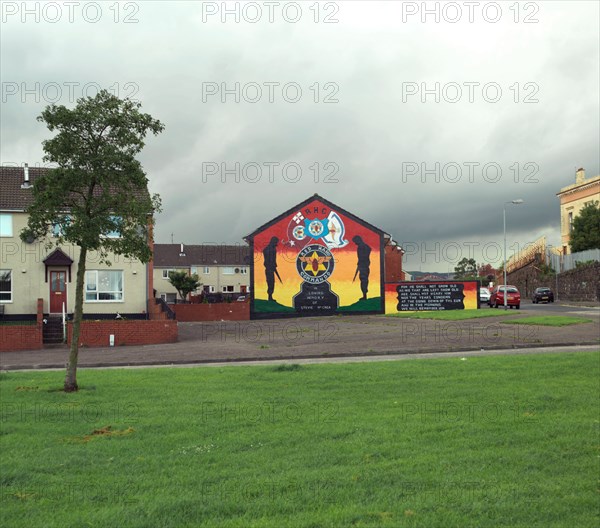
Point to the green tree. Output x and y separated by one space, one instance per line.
98 188
465 268
184 283
586 228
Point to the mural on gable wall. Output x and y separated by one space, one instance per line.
317 260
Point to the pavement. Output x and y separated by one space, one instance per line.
342 337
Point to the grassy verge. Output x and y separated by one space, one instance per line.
549 320
449 315
485 442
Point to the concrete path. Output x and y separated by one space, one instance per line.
330 337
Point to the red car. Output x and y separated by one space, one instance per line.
513 297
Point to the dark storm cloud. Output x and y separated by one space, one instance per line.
374 135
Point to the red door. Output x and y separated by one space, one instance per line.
58 291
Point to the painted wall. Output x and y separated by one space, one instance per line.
429 296
307 263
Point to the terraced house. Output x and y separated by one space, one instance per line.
222 268
30 271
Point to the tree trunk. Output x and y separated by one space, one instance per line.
71 376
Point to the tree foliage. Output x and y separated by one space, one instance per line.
466 268
184 283
586 229
485 270
98 189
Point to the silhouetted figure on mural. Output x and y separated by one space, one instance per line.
270 258
363 251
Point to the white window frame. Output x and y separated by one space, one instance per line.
8 301
6 225
165 297
113 234
165 276
98 292
58 227
206 270
244 271
228 270
193 270
570 220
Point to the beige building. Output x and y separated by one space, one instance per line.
572 199
29 270
223 269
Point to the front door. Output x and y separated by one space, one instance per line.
58 291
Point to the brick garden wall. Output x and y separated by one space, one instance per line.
234 311
97 333
23 337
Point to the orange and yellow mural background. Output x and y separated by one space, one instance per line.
342 281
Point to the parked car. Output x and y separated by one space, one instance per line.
513 297
543 295
484 295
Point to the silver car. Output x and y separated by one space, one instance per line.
484 295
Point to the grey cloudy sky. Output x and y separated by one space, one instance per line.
365 98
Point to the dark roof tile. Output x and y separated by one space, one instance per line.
170 255
14 197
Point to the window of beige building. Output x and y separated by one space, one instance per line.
6 225
6 286
103 285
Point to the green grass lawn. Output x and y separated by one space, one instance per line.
449 315
498 441
549 320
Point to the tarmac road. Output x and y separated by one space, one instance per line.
332 337
556 308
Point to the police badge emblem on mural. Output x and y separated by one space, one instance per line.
316 259
315 263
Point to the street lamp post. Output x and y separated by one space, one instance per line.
514 202
556 271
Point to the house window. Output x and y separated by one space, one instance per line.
115 233
165 273
227 289
103 286
194 270
6 227
6 286
228 270
570 221
58 228
206 270
243 271
169 298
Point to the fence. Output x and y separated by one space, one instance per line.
568 262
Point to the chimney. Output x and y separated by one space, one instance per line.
181 252
26 183
580 176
